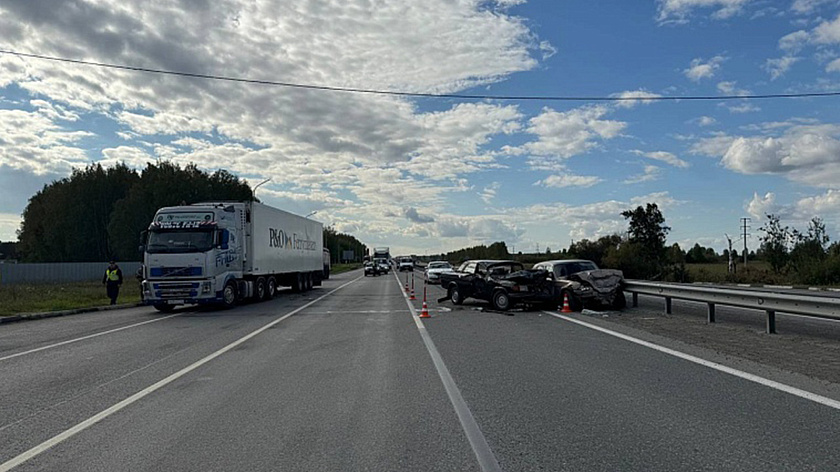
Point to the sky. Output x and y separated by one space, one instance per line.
427 175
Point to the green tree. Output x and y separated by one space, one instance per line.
648 234
167 184
774 243
594 250
68 219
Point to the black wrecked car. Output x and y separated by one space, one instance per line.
504 284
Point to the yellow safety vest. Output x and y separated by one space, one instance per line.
112 275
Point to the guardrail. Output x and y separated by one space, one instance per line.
769 302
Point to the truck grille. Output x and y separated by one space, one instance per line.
176 290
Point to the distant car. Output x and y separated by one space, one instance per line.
384 266
586 284
405 263
371 269
434 269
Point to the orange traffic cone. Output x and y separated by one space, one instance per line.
566 307
424 313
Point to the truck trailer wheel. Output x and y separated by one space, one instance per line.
260 290
272 287
297 283
307 282
229 295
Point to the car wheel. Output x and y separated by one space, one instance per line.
229 295
501 300
164 307
619 302
260 291
455 295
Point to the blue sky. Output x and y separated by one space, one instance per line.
430 175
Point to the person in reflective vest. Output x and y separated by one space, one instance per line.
112 280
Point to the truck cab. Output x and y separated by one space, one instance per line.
190 254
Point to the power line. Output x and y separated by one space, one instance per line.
555 98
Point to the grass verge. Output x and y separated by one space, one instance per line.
32 298
339 268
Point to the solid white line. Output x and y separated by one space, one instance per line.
713 365
63 343
486 459
46 445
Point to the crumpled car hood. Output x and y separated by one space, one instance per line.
601 280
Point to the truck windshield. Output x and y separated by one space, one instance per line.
179 241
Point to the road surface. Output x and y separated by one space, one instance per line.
345 378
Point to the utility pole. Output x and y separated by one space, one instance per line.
731 266
745 222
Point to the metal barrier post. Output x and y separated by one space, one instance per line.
668 305
635 300
711 317
771 322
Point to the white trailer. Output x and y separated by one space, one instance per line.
223 252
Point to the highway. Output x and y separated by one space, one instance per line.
345 378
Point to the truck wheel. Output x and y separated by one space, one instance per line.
326 272
272 287
297 283
260 291
455 295
619 302
501 300
229 295
308 281
164 307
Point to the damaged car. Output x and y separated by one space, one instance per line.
586 284
504 284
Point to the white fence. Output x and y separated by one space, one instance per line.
56 272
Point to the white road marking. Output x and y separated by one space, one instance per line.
713 365
46 445
486 459
64 343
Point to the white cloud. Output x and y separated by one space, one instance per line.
489 192
562 135
9 224
591 220
679 10
798 213
701 69
804 7
808 154
568 180
706 121
778 67
833 66
743 107
643 96
827 32
650 173
32 141
729 88
663 156
793 42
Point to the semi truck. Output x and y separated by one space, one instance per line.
227 252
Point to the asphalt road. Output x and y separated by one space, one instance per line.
348 383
